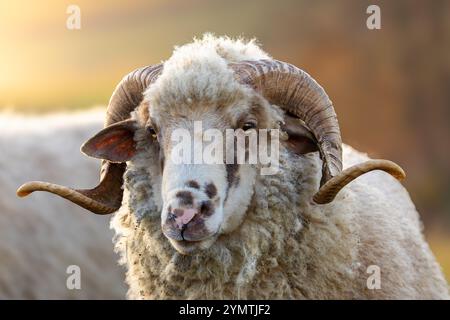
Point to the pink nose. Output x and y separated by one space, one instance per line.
183 216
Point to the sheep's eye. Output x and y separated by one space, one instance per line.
152 132
248 126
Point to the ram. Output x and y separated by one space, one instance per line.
40 239
224 230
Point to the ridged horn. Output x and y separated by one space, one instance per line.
107 196
329 190
299 94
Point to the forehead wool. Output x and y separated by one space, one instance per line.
199 72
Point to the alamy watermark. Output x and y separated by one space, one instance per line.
73 21
374 280
373 22
236 147
73 281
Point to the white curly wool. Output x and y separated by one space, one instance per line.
372 222
41 236
286 246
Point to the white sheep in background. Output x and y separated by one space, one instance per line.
40 238
225 231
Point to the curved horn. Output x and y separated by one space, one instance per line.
329 190
103 199
298 93
107 196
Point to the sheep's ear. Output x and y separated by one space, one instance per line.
115 143
300 139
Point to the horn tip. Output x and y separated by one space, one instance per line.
25 189
401 175
396 171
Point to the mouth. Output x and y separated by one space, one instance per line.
191 247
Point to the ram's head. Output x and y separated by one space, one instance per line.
203 200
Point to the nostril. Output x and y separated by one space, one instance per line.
171 216
183 228
182 216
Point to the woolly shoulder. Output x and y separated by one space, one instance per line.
378 187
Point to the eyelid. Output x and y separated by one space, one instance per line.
249 125
250 121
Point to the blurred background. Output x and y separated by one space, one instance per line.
390 87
